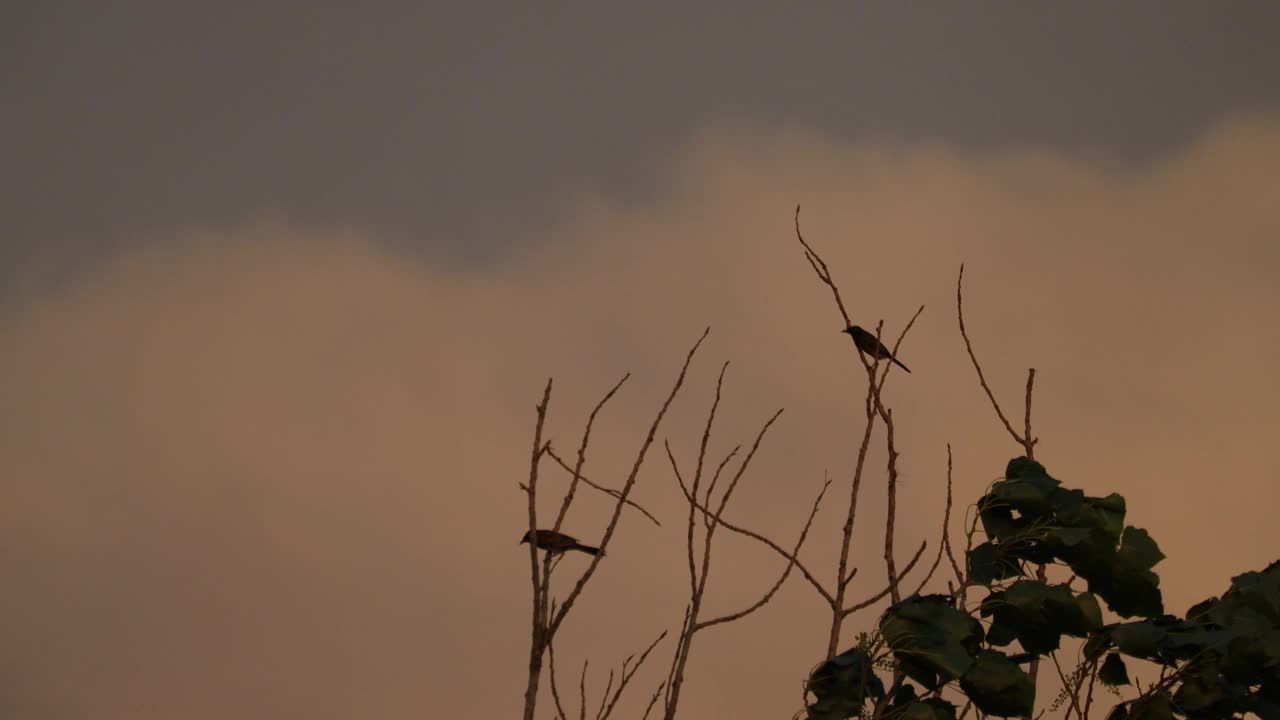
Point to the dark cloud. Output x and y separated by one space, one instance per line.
449 130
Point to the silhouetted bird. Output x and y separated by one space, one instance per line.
868 344
556 543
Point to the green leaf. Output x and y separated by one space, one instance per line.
987 565
1122 577
1074 509
997 686
1037 615
933 641
842 686
997 518
1021 467
1098 643
931 709
1113 672
1138 550
1075 614
1152 707
1018 612
1203 687
1140 639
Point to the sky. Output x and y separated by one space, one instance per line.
280 288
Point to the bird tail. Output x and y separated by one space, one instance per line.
899 364
587 549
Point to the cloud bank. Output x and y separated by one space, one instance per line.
273 471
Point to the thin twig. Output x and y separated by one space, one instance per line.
892 511
608 491
753 535
1093 677
573 484
874 407
820 267
540 637
697 478
626 490
946 532
1026 442
790 564
699 576
551 560
627 674
1072 693
652 701
604 697
715 480
1029 441
880 595
843 574
944 545
555 689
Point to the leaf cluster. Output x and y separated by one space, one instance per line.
1221 661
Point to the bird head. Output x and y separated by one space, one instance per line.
852 330
528 536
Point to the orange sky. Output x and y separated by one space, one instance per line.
270 470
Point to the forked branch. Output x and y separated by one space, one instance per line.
1025 439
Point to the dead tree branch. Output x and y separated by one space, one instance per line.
547 619
700 568
607 491
1025 440
875 408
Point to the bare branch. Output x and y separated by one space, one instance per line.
874 407
733 484
820 268
582 454
853 573
790 564
944 544
652 701
880 595
891 513
843 573
582 693
1073 692
573 487
627 674
604 697
555 689
1026 441
626 490
699 577
1029 441
897 344
697 477
946 533
539 636
608 491
793 557
1093 678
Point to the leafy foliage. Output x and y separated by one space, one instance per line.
997 686
932 641
1221 661
842 686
